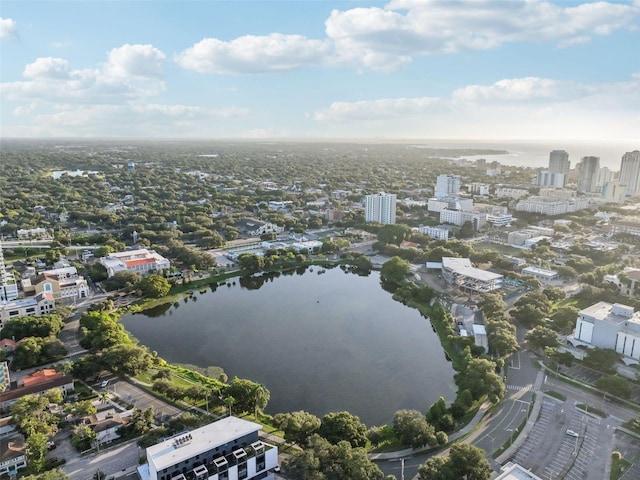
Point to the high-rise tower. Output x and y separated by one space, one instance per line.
588 176
380 208
630 172
559 163
447 185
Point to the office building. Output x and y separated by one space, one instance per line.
447 186
380 208
613 326
228 449
614 191
142 261
588 176
460 272
630 172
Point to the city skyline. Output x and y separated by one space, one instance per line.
265 69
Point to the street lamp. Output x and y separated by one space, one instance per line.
513 431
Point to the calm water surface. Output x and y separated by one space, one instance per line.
319 342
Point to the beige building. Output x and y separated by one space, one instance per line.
62 283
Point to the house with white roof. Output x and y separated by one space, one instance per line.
460 272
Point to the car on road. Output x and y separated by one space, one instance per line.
571 433
104 384
51 445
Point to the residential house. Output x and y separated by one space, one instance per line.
13 455
37 383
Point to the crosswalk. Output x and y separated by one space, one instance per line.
528 388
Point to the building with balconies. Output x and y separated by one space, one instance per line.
228 449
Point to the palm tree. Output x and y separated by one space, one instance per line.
261 396
104 397
228 401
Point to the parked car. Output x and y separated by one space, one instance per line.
571 433
51 445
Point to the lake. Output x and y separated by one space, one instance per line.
320 342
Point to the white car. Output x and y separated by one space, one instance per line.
104 384
571 433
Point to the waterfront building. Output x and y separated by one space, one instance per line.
380 208
459 272
227 449
630 172
142 261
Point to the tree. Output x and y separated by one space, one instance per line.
154 286
32 326
615 385
480 378
297 426
122 279
393 233
339 426
126 359
250 262
602 359
541 337
564 319
528 315
412 428
324 461
465 462
502 339
554 294
466 230
37 445
83 438
395 270
249 396
54 474
103 251
492 305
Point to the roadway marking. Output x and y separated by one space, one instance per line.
528 388
514 355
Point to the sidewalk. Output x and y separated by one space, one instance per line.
454 436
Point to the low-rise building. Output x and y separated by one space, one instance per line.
255 228
433 232
13 455
552 205
106 424
37 383
228 449
628 281
62 283
142 261
460 272
511 192
542 274
41 304
613 326
514 471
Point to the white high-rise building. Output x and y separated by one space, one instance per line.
380 208
630 172
8 285
447 186
547 178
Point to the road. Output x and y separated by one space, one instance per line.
111 461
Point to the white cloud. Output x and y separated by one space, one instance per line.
510 108
519 90
8 29
385 38
47 68
376 110
131 72
124 120
253 54
136 61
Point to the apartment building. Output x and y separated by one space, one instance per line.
228 449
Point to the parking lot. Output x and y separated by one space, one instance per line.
141 399
550 452
590 376
629 447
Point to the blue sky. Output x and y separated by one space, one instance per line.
452 69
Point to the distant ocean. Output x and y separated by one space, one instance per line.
536 153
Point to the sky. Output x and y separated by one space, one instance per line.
437 69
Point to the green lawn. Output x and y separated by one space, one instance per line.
618 467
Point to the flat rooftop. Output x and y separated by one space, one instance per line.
203 439
603 311
462 266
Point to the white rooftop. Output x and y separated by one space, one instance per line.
462 266
540 271
203 439
513 471
614 313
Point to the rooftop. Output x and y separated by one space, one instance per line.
462 266
166 454
611 313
